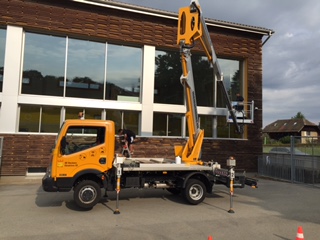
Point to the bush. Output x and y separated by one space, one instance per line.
285 140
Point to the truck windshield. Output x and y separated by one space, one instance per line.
79 138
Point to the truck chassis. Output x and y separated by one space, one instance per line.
193 182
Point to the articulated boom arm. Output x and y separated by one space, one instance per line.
192 27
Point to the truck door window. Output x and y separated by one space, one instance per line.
80 138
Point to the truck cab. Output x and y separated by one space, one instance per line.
83 148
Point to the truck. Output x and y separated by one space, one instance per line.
84 157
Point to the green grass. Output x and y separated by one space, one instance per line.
311 150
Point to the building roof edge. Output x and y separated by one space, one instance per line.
173 15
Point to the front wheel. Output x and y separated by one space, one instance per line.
195 191
87 194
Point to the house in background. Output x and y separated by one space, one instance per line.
292 127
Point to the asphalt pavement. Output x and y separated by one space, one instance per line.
274 210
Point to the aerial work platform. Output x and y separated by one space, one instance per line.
244 112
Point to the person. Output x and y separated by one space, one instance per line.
128 137
239 99
81 115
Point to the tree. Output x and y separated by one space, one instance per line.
299 115
167 79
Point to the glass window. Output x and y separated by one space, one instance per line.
29 118
124 73
174 124
203 80
232 78
116 117
159 124
168 88
85 69
206 123
43 65
50 119
92 113
131 121
2 50
73 113
226 130
124 119
81 138
167 124
36 118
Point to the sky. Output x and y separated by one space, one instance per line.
291 57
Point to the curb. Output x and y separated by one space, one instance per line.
11 180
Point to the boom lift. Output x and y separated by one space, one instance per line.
84 158
192 27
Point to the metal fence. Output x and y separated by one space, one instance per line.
300 165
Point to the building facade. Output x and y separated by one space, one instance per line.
121 62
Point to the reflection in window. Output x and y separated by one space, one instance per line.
203 80
39 119
73 113
226 130
206 124
29 118
2 49
85 69
124 119
167 124
50 119
124 73
92 113
131 121
115 116
167 84
43 65
232 78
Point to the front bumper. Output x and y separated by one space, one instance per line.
48 183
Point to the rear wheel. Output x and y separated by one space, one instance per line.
87 194
195 191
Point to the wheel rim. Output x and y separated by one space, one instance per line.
196 192
87 194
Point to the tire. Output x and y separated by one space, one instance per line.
195 191
87 194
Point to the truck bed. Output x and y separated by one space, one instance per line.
161 164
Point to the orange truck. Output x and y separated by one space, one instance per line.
84 158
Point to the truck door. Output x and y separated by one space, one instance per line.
82 147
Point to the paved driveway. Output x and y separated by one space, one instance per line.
273 211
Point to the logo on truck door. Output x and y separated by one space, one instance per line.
71 164
60 163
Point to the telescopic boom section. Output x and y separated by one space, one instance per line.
192 27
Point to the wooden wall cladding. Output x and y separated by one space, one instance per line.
21 152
